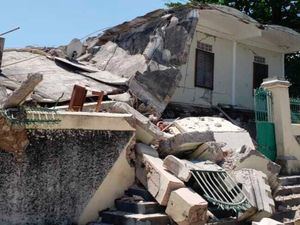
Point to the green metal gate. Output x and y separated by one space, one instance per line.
265 130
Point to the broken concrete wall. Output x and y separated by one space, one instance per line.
60 171
147 50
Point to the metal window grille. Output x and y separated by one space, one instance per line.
295 110
259 59
204 47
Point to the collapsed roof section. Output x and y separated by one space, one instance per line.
142 56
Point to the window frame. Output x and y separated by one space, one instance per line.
253 74
196 70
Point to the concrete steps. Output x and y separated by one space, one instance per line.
290 180
288 190
139 207
288 199
125 218
136 207
98 223
141 192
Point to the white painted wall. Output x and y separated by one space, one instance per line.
244 77
188 93
223 70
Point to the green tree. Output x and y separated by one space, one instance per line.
279 12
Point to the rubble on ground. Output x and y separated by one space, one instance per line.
192 170
195 170
255 186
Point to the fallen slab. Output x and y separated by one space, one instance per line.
255 185
184 142
21 94
156 86
146 131
177 167
223 131
151 173
186 207
211 151
247 157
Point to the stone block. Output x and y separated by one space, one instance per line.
151 173
186 207
184 142
211 151
255 186
177 167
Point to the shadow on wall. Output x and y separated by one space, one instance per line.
60 172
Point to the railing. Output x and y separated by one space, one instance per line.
295 110
263 105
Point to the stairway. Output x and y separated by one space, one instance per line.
136 207
287 200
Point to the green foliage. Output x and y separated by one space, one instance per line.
292 71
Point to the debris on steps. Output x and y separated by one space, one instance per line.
288 200
290 180
151 173
288 195
255 186
136 207
288 190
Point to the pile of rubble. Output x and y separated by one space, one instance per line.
194 171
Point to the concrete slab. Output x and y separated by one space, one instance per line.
186 207
223 131
177 167
248 157
146 131
151 173
184 142
255 186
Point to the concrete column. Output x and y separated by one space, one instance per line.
288 149
233 92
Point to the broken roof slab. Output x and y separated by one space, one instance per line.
56 80
226 22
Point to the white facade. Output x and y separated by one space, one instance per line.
234 44
226 91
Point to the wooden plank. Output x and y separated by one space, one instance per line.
100 95
19 96
78 98
1 50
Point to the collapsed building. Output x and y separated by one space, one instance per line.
84 138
